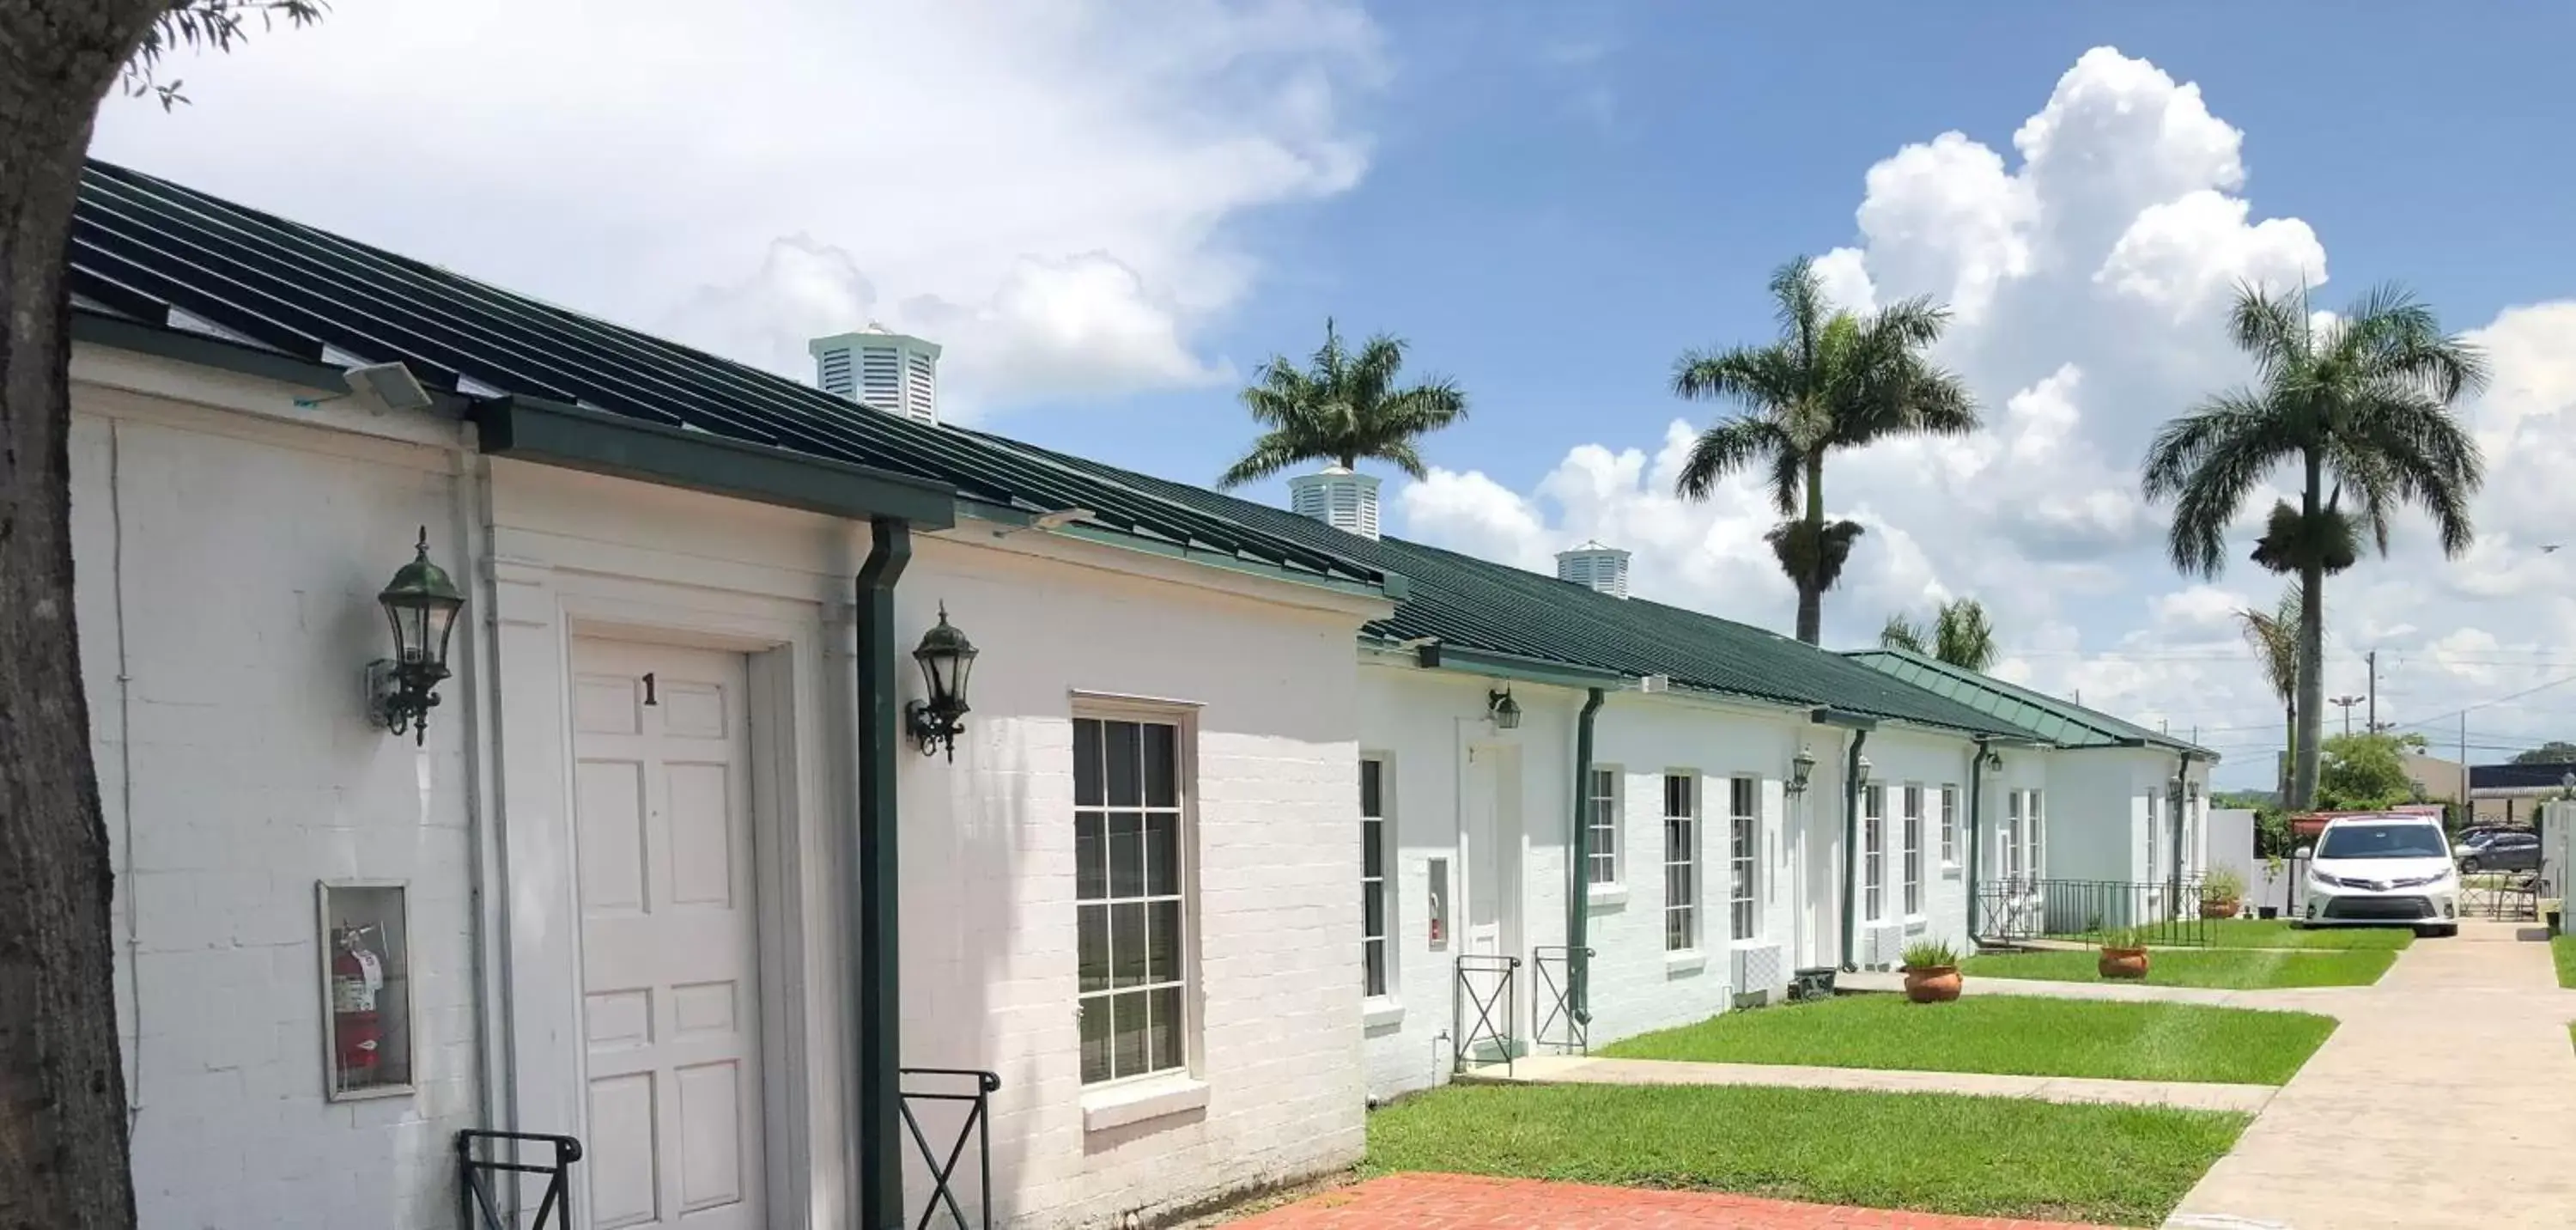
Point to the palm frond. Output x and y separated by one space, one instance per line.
1902 633
2208 461
1962 636
2274 636
1402 455
1269 455
1727 447
1798 298
2270 328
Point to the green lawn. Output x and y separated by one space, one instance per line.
2562 948
2278 933
1988 1157
2235 969
2023 1035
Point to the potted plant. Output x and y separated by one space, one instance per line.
2222 891
2124 953
2272 867
1931 972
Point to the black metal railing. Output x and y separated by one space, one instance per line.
482 1205
975 1128
2165 913
1483 987
1559 1025
2502 896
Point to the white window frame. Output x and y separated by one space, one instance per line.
1601 822
1681 861
1873 829
1377 837
2154 822
1910 800
1183 894
2037 835
1743 858
2012 834
1949 824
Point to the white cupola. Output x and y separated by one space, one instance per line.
1340 498
880 369
1595 567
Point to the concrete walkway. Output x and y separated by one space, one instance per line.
2331 1001
1593 1070
2447 1098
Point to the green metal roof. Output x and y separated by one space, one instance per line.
2044 717
158 266
1506 614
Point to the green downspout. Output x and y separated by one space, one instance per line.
876 978
1578 896
1851 846
2181 793
1976 838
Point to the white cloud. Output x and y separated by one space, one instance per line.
2089 278
1040 185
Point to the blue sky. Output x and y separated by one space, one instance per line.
1110 222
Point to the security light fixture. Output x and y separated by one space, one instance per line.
1801 767
1502 710
946 658
421 604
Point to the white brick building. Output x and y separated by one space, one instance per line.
1234 796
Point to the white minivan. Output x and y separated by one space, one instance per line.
2379 870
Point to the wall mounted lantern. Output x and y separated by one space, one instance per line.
1994 761
1502 710
421 603
1860 773
946 658
1801 767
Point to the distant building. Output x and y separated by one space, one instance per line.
2513 793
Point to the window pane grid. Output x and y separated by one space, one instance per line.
1602 862
1128 897
1681 862
1373 863
1742 840
1873 851
1949 825
1913 851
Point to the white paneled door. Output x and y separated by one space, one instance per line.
670 941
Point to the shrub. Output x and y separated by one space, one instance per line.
2125 938
2222 884
1930 954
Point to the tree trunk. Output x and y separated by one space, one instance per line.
2312 635
2289 744
63 1147
1811 587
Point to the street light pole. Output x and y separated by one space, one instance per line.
2346 702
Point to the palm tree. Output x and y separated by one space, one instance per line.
1834 379
2361 405
2274 634
1960 635
1341 408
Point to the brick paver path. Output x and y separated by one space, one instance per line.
1468 1202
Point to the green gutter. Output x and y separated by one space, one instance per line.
875 885
552 433
1578 897
2174 808
1851 845
204 351
1976 840
1438 656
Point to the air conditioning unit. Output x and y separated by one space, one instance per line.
1758 970
1882 945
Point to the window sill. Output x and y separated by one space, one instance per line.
1379 1011
1915 924
1950 871
1688 961
1604 895
1753 941
1117 1106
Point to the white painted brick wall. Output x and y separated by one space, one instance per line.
237 769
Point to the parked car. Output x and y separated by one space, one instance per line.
2480 834
2502 852
2383 869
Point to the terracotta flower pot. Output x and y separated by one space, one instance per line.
1932 984
2218 909
2123 963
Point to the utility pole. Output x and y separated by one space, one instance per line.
2467 817
2345 703
2373 658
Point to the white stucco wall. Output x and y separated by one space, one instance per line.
238 722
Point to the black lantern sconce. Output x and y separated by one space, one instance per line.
421 604
1860 773
1994 761
946 658
1502 710
1801 767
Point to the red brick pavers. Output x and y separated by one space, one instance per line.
1469 1202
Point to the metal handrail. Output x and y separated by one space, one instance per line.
1465 994
2167 912
481 1207
977 1127
1552 997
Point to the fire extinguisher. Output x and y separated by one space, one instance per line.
357 975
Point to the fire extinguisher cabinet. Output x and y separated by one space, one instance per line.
366 990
